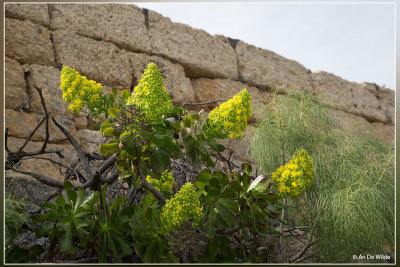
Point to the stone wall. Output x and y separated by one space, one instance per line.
113 42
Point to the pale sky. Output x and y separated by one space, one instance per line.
354 41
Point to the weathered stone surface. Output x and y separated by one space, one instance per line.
266 68
347 120
348 96
21 124
90 140
81 122
37 13
40 166
213 89
25 186
28 43
386 99
48 79
121 24
175 81
385 131
241 148
359 124
201 54
99 61
16 96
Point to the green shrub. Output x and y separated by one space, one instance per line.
353 190
17 215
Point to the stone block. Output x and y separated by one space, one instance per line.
385 131
20 125
41 166
99 61
201 54
37 13
28 43
16 96
386 98
90 140
359 124
48 79
263 67
175 81
347 120
348 96
81 122
121 24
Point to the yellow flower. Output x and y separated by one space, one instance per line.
163 184
295 177
183 206
232 115
150 95
79 90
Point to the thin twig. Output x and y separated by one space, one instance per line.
31 134
308 244
27 154
46 114
43 179
86 260
304 258
81 153
203 103
5 139
143 183
227 160
295 228
49 159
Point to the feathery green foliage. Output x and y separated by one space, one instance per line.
353 190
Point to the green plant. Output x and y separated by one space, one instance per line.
223 216
353 193
111 228
235 201
16 215
151 236
68 218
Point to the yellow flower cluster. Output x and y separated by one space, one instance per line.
164 184
183 206
79 91
295 177
150 95
232 115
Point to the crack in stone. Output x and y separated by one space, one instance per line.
58 64
26 104
233 43
50 8
118 45
134 79
146 18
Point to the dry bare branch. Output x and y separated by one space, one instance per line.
204 103
82 156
